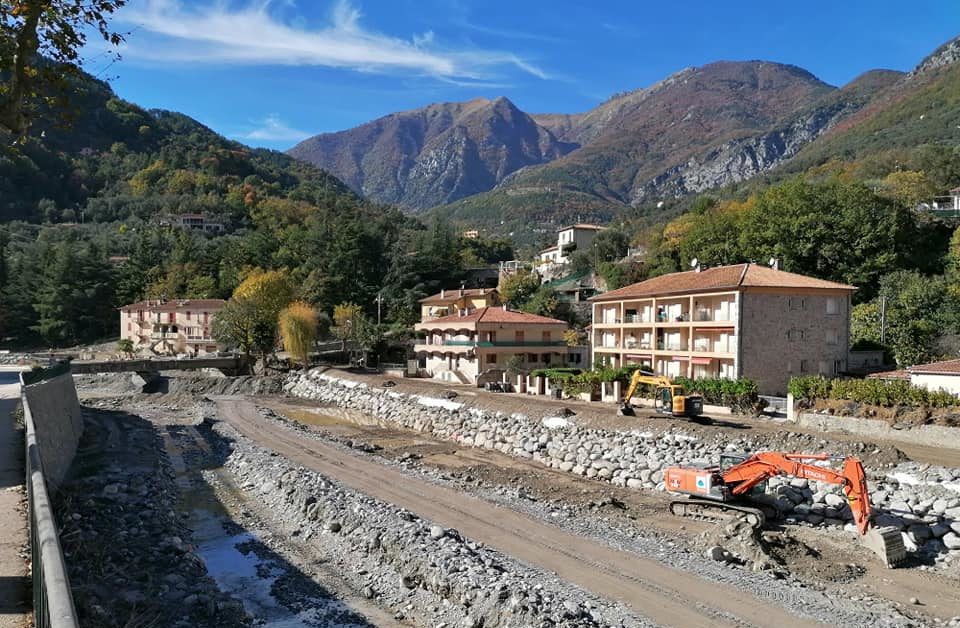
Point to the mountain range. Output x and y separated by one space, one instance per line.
486 162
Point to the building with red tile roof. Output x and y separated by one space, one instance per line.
452 301
171 326
473 346
742 320
937 376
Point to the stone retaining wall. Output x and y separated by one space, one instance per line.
59 424
923 501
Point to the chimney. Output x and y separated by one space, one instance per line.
443 293
461 290
505 308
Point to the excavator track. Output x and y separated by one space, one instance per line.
708 510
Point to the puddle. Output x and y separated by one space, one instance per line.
241 566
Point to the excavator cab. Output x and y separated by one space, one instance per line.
669 398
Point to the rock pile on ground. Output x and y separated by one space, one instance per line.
419 569
923 503
128 553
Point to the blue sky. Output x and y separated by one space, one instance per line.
272 72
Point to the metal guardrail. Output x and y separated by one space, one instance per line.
52 599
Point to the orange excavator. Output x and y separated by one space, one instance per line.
725 491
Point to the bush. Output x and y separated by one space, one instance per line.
874 392
740 395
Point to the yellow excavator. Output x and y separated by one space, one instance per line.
669 398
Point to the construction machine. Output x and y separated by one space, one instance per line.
731 489
669 398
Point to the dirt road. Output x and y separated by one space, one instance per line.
663 594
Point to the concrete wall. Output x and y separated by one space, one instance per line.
786 335
56 414
932 435
949 383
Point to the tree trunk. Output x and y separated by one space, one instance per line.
12 110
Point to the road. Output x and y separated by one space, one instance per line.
652 589
14 596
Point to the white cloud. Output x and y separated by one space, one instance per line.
273 129
221 33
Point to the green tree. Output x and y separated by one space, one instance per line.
125 346
518 288
236 326
40 44
543 302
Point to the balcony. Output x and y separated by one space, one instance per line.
502 343
639 318
709 346
670 346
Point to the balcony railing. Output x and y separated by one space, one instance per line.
502 343
670 346
639 318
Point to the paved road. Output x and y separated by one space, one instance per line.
14 598
663 594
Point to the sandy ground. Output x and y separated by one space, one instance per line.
15 605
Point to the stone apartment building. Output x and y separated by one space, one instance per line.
472 346
745 320
171 327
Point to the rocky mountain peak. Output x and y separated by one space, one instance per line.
944 55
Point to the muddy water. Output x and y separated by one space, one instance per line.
276 593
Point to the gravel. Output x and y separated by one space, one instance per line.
915 498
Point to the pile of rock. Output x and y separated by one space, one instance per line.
636 460
128 553
420 570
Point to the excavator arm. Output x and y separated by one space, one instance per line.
763 466
638 378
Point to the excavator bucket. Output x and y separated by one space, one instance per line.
626 410
887 543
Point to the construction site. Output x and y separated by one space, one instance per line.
332 498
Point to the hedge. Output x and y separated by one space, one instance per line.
740 395
874 392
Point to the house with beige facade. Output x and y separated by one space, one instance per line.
171 327
553 259
474 345
745 320
448 302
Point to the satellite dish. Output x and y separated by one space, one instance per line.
772 261
694 262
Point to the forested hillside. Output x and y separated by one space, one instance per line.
84 208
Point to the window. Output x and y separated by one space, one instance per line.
519 337
171 317
822 368
795 334
803 366
546 336
789 366
797 303
188 314
574 358
838 366
832 336
833 305
532 357
492 358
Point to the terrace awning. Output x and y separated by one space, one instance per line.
702 360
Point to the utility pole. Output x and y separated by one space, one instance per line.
379 302
883 320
